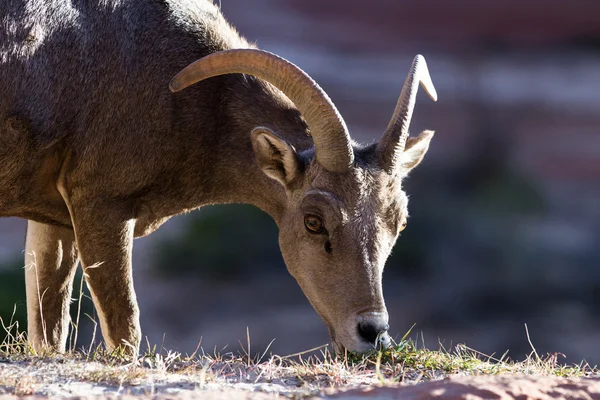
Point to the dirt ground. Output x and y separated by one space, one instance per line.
67 378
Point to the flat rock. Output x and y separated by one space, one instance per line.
484 387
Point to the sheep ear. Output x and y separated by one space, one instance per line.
276 157
414 151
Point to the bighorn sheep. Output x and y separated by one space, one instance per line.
96 150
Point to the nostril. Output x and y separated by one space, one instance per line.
367 332
370 331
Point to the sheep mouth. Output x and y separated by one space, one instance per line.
338 348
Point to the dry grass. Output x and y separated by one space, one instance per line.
95 371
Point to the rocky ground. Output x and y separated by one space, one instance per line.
484 387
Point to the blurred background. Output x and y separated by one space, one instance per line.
505 209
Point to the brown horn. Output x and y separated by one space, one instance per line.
328 129
392 144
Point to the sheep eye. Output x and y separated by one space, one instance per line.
314 224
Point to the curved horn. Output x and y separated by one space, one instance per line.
328 129
394 138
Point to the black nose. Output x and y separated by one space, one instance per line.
371 331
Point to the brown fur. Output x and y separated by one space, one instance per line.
95 150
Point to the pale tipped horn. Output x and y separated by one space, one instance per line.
393 142
328 129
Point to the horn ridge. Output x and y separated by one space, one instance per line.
394 138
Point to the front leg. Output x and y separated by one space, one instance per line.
50 264
105 240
